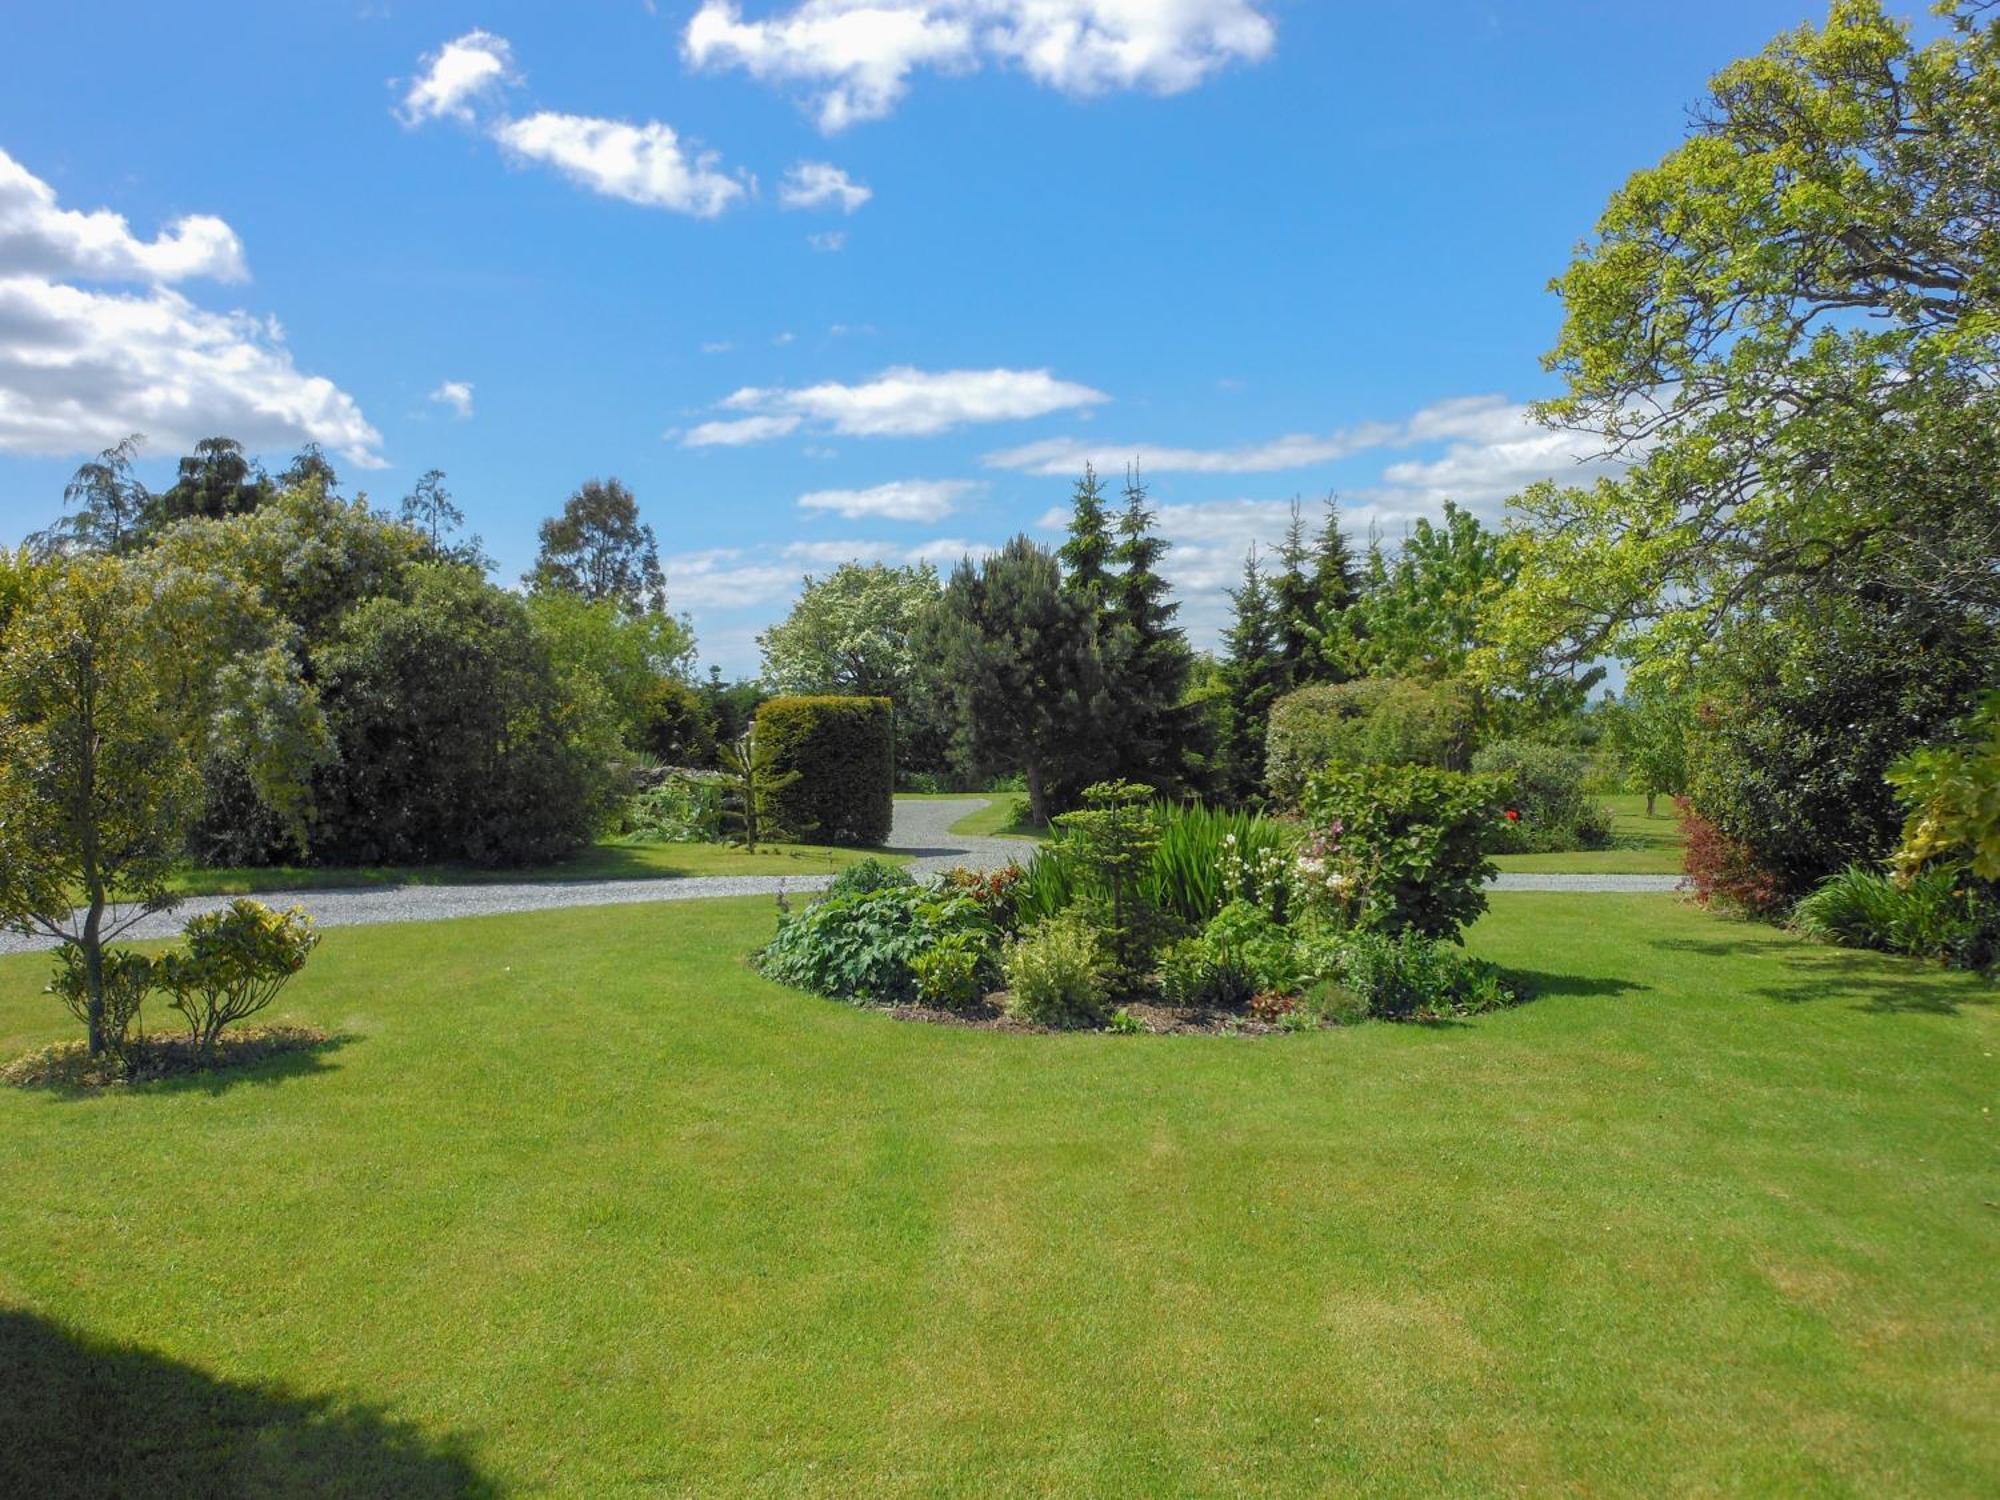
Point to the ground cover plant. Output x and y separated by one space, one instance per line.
583 1203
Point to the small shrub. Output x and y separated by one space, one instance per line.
992 890
952 973
233 964
1109 844
1239 955
1272 1006
1722 871
1055 973
128 979
868 875
1398 848
1409 977
1546 791
1124 1023
842 752
680 810
1939 914
864 947
1205 858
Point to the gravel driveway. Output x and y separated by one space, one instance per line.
922 830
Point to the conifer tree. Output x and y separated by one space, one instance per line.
1336 587
1086 556
1253 678
1146 654
1293 600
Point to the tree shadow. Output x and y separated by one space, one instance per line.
83 1418
1881 983
267 1069
1537 984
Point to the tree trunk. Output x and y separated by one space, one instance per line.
93 971
1650 796
1038 802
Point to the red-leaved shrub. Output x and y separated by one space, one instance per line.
1721 871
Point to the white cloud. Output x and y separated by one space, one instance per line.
856 56
739 432
940 552
900 402
456 394
642 164
458 76
832 242
900 500
79 370
37 238
818 184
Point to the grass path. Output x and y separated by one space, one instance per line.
583 1205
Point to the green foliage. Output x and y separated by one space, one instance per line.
865 947
680 810
1055 973
430 511
1422 613
125 979
1205 857
675 725
1952 793
1405 976
952 973
869 875
1253 678
854 631
1648 729
1399 848
461 739
1241 953
599 550
1549 808
840 757
1377 721
1109 845
633 661
1151 734
1935 914
753 786
233 963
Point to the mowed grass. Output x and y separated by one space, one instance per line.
583 1206
613 859
1640 845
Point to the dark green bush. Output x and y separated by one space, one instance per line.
868 875
844 751
1409 977
1546 788
1375 721
865 947
1399 848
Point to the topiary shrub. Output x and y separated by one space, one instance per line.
1398 848
1375 721
1546 792
844 753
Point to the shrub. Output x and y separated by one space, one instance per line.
992 890
680 810
1545 787
1952 796
1375 721
1242 953
869 875
128 979
1939 914
1400 848
1409 977
1722 871
1055 974
953 972
1206 857
843 751
233 964
1109 845
864 948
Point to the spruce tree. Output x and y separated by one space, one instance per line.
1293 598
1336 587
1146 654
1253 677
1086 556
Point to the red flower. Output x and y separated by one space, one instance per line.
1512 816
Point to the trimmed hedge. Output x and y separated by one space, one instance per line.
1375 721
844 750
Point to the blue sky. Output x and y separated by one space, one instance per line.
819 284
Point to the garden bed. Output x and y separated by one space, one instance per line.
69 1065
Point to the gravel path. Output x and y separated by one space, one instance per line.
922 830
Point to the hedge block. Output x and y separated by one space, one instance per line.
844 750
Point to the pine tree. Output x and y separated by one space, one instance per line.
1253 678
1293 598
1336 587
1146 654
1086 556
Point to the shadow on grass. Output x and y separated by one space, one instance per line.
1882 983
83 1418
1534 984
257 1068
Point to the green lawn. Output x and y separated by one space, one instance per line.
607 860
1642 845
583 1206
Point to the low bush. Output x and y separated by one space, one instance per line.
1206 857
1055 973
1409 977
1242 953
128 979
1398 848
843 754
69 1065
233 964
864 947
1723 871
869 875
1375 721
1546 788
992 890
1939 914
953 973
